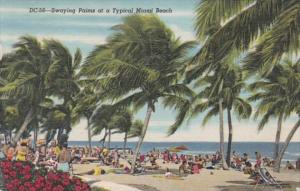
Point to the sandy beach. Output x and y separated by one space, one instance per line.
220 180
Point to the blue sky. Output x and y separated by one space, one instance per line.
84 31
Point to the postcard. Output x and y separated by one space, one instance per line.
149 95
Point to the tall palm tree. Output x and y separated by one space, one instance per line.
140 64
278 96
27 69
276 33
218 90
85 101
63 78
273 98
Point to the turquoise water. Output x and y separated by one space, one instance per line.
266 148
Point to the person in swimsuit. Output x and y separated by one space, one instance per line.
22 151
10 153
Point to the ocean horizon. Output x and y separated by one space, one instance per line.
205 147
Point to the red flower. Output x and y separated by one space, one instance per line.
13 174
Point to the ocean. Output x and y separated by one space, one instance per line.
265 148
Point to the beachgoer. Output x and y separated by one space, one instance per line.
258 159
298 164
289 166
22 151
64 159
183 168
10 153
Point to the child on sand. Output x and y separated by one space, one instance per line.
168 173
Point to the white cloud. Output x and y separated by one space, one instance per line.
3 50
178 14
13 10
96 24
184 35
157 123
243 131
86 39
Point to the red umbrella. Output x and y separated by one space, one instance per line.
182 147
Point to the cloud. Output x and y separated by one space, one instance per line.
184 35
178 14
243 131
158 123
3 50
86 39
13 10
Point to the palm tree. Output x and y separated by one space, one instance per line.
273 98
122 121
27 70
140 64
219 90
63 78
85 104
136 129
276 33
101 121
278 96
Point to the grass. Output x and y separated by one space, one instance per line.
99 189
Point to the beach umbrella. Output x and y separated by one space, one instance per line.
178 148
182 147
174 150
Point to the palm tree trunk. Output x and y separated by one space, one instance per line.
230 129
125 142
10 135
141 138
5 138
104 138
24 125
109 137
277 139
284 147
35 133
89 136
59 133
224 164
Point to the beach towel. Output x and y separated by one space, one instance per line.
2 156
170 177
63 167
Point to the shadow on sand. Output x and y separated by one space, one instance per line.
249 186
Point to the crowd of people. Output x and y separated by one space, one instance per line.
60 156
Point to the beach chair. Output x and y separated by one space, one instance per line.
266 179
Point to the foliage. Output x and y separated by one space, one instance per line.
22 176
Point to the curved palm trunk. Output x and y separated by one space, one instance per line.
24 125
89 136
277 139
109 137
284 147
104 137
224 164
59 133
230 131
141 137
125 142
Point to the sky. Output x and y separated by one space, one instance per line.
83 29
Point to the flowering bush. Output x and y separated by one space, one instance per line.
22 176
